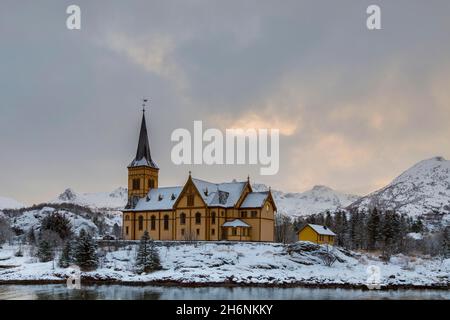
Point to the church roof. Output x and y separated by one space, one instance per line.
255 199
214 194
224 194
143 156
159 199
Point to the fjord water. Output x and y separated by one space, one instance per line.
124 292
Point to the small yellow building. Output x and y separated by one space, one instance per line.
317 234
196 210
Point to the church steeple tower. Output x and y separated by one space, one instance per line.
142 171
143 155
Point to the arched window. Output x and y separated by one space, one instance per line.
213 217
198 218
182 218
166 222
127 217
141 223
153 222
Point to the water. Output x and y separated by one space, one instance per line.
123 292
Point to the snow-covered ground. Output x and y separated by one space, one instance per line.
239 263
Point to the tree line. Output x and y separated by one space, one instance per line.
56 241
375 230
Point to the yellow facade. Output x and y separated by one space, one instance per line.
192 212
309 234
201 222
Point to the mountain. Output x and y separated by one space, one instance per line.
8 203
115 200
318 199
424 188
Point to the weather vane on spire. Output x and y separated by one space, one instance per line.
144 104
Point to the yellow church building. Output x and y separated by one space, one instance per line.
197 210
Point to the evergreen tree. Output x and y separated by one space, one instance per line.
45 251
373 229
147 258
31 236
66 255
417 226
85 255
356 229
329 220
117 232
57 223
445 247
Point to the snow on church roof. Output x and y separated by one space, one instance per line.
159 199
219 194
322 230
214 194
236 223
255 199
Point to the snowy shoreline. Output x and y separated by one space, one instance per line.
157 283
238 264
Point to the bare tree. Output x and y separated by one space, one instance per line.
6 232
284 229
328 257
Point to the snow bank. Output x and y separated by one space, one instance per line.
240 263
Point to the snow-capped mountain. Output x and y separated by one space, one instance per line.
115 200
8 203
318 199
422 189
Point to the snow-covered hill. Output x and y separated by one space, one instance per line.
8 203
114 200
422 189
318 199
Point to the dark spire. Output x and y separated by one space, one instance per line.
143 156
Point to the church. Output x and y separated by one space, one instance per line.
197 210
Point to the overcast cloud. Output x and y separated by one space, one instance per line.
354 107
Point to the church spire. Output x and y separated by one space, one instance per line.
143 156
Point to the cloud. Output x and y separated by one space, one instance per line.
152 52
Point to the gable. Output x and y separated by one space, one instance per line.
189 189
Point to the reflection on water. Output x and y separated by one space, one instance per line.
122 292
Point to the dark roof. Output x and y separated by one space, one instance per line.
143 156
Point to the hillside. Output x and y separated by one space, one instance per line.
114 200
8 203
318 199
422 189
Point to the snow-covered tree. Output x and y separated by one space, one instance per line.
147 258
66 255
45 250
373 229
5 230
117 231
85 255
31 236
59 224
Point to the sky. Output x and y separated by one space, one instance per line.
355 107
